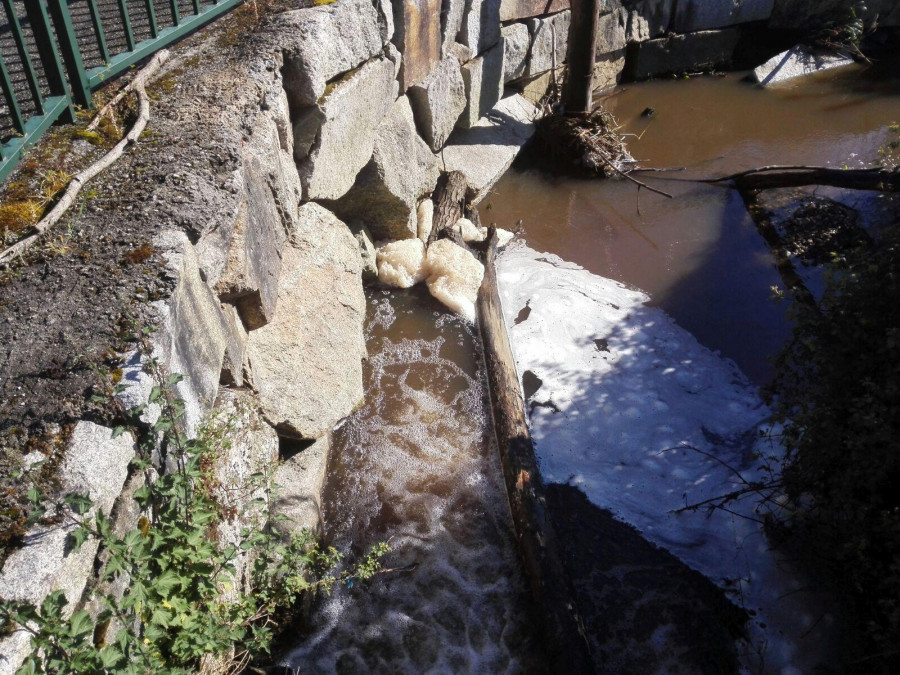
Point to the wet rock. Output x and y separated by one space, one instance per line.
402 170
524 9
417 34
797 62
329 40
348 119
250 278
191 336
696 15
481 25
483 78
302 477
438 101
693 52
306 365
549 38
516 41
484 152
97 464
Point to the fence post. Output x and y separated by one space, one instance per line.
68 45
43 37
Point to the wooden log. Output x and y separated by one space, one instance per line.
579 86
548 581
449 202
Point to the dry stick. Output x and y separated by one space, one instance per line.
100 165
140 80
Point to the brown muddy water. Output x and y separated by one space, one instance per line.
417 467
698 255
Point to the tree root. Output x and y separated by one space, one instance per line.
137 86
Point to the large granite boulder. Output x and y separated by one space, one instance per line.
301 477
797 62
402 170
307 361
612 31
647 19
480 28
417 34
483 78
516 42
549 39
696 15
438 101
331 39
451 23
333 139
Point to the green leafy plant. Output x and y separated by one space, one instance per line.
180 600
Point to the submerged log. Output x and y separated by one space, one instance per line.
549 583
769 177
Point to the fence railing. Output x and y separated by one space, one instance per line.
55 53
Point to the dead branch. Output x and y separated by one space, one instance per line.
768 177
74 187
140 80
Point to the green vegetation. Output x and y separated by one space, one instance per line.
179 601
837 395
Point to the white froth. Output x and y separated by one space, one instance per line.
454 277
401 263
425 218
645 420
467 230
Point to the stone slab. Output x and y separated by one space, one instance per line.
483 78
797 62
516 42
301 477
549 38
438 101
647 19
696 15
480 28
693 52
510 10
608 69
612 31
417 34
485 151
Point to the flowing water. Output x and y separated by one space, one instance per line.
416 466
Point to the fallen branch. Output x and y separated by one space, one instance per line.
140 80
768 177
68 198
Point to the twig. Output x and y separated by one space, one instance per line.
74 187
140 80
631 178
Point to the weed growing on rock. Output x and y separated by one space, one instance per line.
181 602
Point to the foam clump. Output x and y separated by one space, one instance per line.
401 263
454 277
504 237
425 219
467 230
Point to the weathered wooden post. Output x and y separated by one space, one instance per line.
579 85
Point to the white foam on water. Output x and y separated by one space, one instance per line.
645 420
401 263
454 277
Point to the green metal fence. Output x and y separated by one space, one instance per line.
54 53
